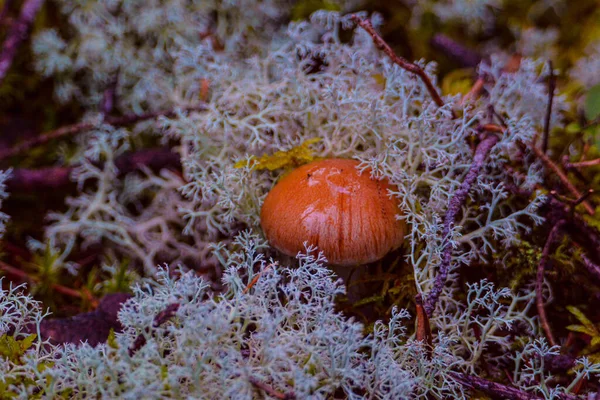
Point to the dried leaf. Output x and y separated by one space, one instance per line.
292 158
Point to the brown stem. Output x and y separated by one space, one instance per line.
56 287
540 281
16 35
475 91
400 61
562 176
74 129
592 268
51 178
257 277
582 164
456 203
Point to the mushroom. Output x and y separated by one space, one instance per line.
329 203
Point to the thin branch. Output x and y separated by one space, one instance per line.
400 61
456 203
578 229
71 130
52 178
540 281
169 312
56 287
573 203
269 390
562 176
16 35
257 277
592 268
551 88
582 164
499 390
491 128
475 90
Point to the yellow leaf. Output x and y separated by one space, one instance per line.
282 159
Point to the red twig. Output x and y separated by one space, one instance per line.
257 277
581 164
591 266
56 287
562 176
456 203
540 281
474 91
270 391
74 129
400 61
16 35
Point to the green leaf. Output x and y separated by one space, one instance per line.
583 319
12 349
573 127
592 103
112 340
581 329
26 343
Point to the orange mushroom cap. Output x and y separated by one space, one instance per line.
330 204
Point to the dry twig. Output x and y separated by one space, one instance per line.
456 202
583 164
67 291
257 277
474 91
562 176
52 178
592 268
16 35
74 129
540 281
400 61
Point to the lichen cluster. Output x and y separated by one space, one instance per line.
267 86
